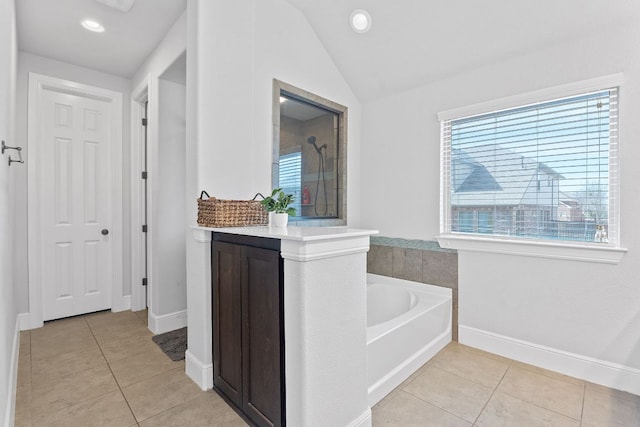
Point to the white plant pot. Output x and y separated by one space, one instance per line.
279 220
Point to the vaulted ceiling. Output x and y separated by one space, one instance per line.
51 28
415 42
411 43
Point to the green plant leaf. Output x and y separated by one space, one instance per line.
278 202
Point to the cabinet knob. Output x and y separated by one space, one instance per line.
104 231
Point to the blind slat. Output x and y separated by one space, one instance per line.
542 171
290 176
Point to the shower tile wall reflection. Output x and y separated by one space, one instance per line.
320 180
419 261
309 154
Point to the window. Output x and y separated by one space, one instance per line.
290 180
465 221
485 222
544 171
314 127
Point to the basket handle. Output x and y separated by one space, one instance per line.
208 196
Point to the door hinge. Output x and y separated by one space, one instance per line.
144 175
144 122
144 281
144 228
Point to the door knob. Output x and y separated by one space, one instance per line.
104 231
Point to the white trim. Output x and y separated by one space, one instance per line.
167 322
364 420
565 90
123 304
575 251
598 371
138 293
23 321
153 117
393 379
201 235
312 250
200 373
538 249
12 384
38 82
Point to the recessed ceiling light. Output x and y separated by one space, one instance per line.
360 21
92 25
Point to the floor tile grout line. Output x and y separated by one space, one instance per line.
83 317
584 397
493 392
152 376
434 405
121 387
466 378
113 375
541 371
543 407
166 409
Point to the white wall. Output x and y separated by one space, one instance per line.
235 50
170 48
32 63
170 276
590 310
244 46
167 291
8 309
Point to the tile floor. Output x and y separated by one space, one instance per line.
103 370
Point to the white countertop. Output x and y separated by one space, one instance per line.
294 232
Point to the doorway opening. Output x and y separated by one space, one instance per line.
159 161
139 197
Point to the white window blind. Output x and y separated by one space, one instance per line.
290 179
546 171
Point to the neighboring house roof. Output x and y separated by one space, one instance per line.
568 199
491 175
570 203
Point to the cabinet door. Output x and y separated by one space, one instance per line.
227 320
261 333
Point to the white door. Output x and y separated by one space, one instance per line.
74 181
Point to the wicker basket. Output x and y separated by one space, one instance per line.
214 212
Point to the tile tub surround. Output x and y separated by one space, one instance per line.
421 261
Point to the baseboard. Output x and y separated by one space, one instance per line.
159 324
10 408
364 420
597 371
200 373
24 323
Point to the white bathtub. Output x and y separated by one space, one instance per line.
407 324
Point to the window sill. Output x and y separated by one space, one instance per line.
538 249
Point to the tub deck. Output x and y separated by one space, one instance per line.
405 333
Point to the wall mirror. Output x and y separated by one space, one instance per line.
309 155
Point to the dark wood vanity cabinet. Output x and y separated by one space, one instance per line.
248 326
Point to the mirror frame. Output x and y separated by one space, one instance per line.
282 88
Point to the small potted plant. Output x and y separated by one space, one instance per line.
278 203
